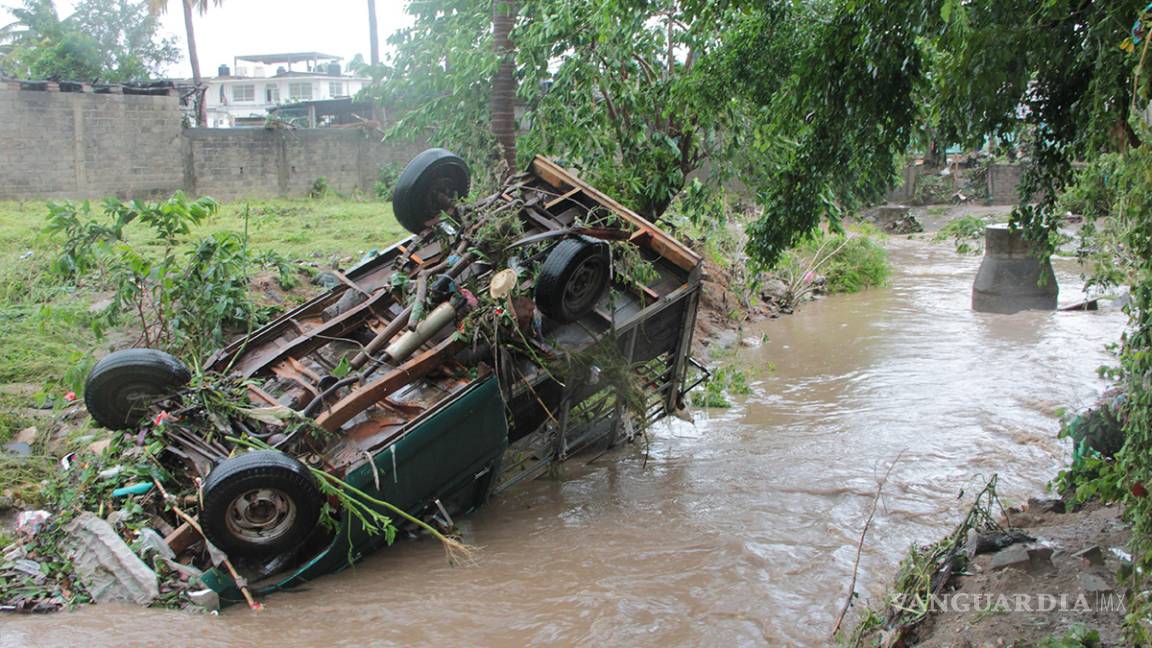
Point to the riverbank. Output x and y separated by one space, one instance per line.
1044 574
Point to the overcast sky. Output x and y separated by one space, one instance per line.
240 27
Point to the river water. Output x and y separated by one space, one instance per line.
738 530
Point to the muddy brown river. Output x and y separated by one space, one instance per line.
739 530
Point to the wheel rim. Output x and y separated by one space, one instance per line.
135 399
261 515
442 195
583 286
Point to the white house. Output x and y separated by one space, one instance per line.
242 95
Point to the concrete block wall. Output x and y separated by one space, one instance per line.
1003 184
71 145
81 145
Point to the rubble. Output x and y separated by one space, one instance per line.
106 565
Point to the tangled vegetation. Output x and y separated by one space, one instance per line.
927 570
184 303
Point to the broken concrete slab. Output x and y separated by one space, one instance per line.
1093 555
1029 559
1013 556
1040 558
106 565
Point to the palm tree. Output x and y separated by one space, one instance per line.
504 83
161 6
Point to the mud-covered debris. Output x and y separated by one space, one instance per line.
106 565
1093 583
987 542
1045 505
893 219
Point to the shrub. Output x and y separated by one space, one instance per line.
966 232
386 179
183 303
848 264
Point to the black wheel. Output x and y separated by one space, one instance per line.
431 183
259 504
121 386
573 277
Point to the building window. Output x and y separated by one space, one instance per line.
335 89
271 93
300 91
244 93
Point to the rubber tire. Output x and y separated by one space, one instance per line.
558 269
143 371
415 200
259 469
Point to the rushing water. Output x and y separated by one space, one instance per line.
739 530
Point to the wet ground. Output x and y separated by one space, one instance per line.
740 530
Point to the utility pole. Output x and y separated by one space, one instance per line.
504 83
375 43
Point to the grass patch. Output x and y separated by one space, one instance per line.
46 333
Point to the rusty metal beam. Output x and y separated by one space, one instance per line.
360 399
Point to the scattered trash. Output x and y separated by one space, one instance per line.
18 448
109 473
28 523
150 543
28 567
138 488
205 598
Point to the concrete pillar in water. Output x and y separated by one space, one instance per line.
1011 278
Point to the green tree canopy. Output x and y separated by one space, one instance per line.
612 88
112 41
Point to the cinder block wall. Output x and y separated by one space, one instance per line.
81 145
73 145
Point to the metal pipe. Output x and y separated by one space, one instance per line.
441 316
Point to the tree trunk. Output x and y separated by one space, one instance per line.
372 39
504 83
194 59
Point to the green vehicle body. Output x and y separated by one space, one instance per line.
453 451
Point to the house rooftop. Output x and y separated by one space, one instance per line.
290 57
